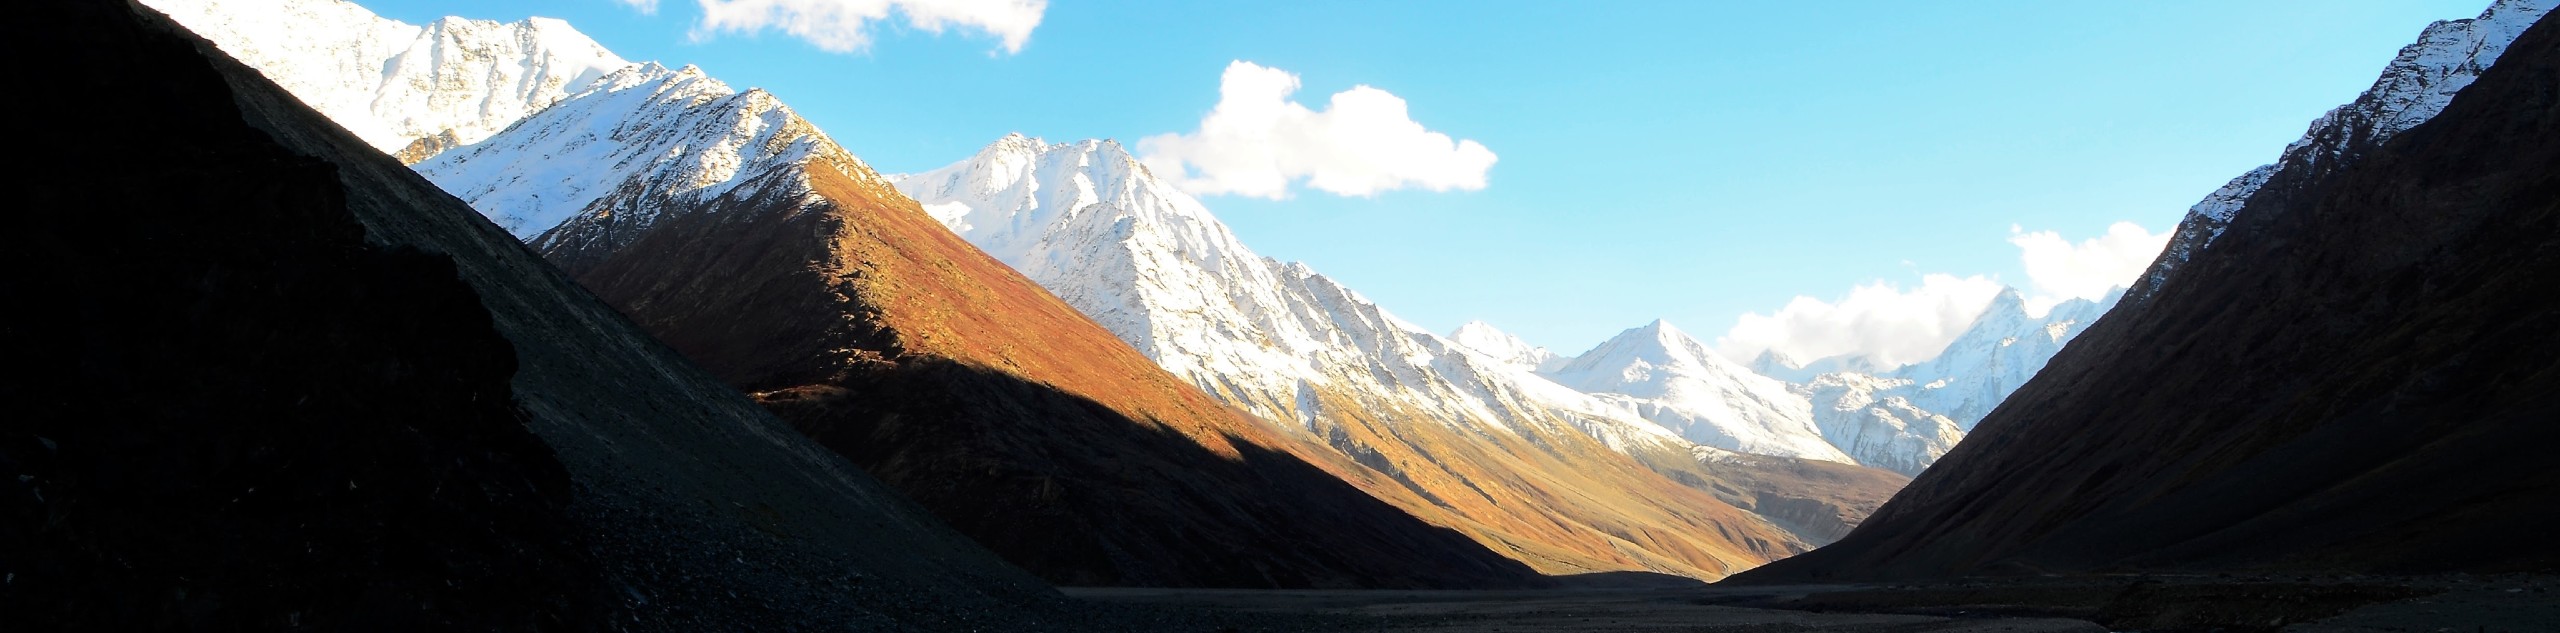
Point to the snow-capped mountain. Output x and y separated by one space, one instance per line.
1090 223
1872 419
2416 86
1675 381
1905 418
639 139
1898 418
1467 442
1780 365
2001 350
1150 263
1483 338
405 89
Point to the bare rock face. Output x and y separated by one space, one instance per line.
2355 376
270 379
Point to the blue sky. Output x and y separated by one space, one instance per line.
1695 161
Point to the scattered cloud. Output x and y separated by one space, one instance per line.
844 26
1258 142
1893 326
2061 271
1879 320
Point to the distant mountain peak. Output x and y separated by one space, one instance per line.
1150 263
1680 384
1484 338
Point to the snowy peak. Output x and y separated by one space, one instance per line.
2416 86
2001 351
1675 381
1008 197
1483 338
395 85
2424 77
1645 359
619 152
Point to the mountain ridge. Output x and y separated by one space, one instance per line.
2352 378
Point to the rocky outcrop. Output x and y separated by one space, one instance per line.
2355 376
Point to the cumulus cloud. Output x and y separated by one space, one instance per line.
2061 271
1885 323
844 26
1258 142
646 7
1891 326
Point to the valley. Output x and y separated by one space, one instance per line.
353 324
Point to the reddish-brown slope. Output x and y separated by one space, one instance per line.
996 406
2359 375
1031 428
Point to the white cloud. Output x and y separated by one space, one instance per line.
1892 326
844 26
1257 142
1878 320
646 7
2061 270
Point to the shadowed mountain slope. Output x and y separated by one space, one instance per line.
278 380
885 337
2357 375
1556 477
1463 444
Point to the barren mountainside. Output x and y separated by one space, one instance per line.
1090 223
289 383
1548 476
2355 375
853 315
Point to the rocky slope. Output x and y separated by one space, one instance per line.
2417 84
650 139
1478 433
639 139
2354 376
284 382
405 89
735 231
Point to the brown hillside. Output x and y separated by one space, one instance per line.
1031 428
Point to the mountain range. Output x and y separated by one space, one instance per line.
479 326
583 155
2343 365
397 84
1547 476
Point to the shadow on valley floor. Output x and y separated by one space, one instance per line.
950 436
2087 604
